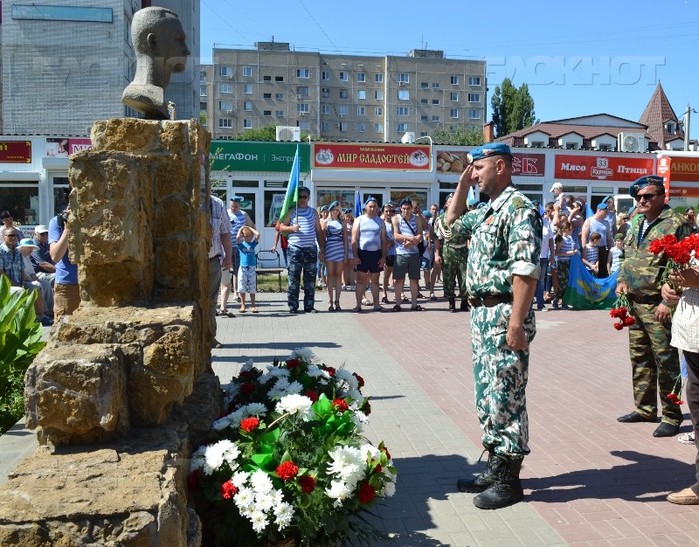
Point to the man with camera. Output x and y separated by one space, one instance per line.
66 289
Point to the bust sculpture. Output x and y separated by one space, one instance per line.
159 41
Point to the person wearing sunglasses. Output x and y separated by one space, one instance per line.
655 363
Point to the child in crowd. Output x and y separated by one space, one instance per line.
616 254
565 248
591 253
248 239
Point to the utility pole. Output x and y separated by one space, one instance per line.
687 115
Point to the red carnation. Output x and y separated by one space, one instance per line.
378 468
249 424
618 326
307 484
366 408
246 375
360 380
330 370
674 398
628 321
340 404
287 470
193 480
228 490
366 493
291 364
247 388
385 451
312 395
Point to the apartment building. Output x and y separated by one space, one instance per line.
340 97
65 65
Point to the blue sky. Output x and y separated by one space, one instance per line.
577 58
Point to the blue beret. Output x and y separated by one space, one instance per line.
488 150
333 205
237 199
323 208
602 205
405 201
643 182
426 214
346 210
481 205
371 198
471 201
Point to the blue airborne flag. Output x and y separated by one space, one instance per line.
586 292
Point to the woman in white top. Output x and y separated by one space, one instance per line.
335 253
369 247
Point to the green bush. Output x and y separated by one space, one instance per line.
20 341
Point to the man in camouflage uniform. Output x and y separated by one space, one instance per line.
503 269
655 363
451 252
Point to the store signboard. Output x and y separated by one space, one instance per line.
257 156
568 166
15 151
61 147
371 156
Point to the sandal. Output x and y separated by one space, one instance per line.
384 300
242 309
366 302
253 310
433 296
417 308
687 438
337 306
405 299
396 308
331 307
357 309
378 308
420 295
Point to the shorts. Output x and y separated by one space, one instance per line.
235 261
390 261
225 276
426 263
409 264
66 300
247 280
369 261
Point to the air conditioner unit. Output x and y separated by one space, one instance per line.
631 142
288 133
227 111
402 84
228 76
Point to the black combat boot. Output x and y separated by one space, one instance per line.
506 490
484 479
464 305
452 305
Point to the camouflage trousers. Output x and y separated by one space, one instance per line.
655 364
454 270
302 259
500 380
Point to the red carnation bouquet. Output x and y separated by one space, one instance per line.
620 311
679 254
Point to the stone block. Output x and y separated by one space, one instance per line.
77 394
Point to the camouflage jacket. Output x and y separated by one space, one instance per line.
641 270
451 236
506 240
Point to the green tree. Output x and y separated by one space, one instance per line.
457 136
266 134
513 108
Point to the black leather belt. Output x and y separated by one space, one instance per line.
648 299
489 301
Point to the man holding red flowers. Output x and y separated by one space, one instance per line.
655 363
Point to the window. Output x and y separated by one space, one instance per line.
325 92
247 71
424 85
402 111
474 114
202 106
279 78
424 101
344 76
344 94
325 127
378 95
343 126
202 91
303 108
266 78
571 146
361 77
225 123
454 96
403 95
435 118
361 95
247 106
279 96
225 105
304 124
378 128
225 89
435 101
225 71
247 124
325 109
401 128
378 111
247 89
266 112
454 80
378 78
423 118
361 127
474 97
435 85
403 78
325 75
279 113
303 73
361 111
302 91
266 95
454 113
474 81
21 199
343 110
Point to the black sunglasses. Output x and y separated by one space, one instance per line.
647 197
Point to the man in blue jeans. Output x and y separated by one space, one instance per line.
547 258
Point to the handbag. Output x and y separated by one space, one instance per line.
421 245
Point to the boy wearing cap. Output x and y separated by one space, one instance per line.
503 270
655 363
229 278
598 223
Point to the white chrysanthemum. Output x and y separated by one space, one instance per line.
245 498
278 496
295 404
216 454
303 353
294 388
314 371
240 478
389 487
255 409
231 420
278 372
348 378
248 365
261 483
360 419
356 396
370 452
198 459
279 389
283 512
231 391
265 378
339 491
259 521
264 502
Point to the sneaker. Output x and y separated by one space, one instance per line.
554 303
46 321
